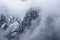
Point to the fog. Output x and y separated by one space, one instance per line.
48 9
47 6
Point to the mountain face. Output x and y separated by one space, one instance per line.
12 25
24 20
32 27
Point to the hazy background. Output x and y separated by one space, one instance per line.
19 8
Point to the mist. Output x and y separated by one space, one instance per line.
42 28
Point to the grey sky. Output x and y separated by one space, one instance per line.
19 7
